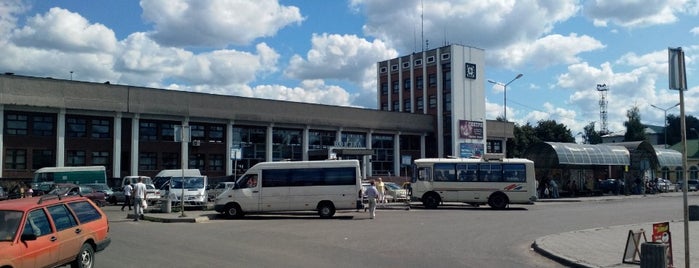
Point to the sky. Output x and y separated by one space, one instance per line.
326 51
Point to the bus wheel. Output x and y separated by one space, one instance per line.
431 201
233 211
326 210
498 201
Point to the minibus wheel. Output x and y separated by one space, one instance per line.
498 201
232 211
326 209
430 200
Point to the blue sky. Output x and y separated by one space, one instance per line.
325 51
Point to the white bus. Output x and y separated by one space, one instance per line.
496 182
324 186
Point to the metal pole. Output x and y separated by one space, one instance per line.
685 209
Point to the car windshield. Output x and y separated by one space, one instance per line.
189 182
393 186
9 223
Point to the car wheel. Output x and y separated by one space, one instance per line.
498 201
431 201
326 210
85 258
233 211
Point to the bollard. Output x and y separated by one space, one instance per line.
166 205
694 212
653 255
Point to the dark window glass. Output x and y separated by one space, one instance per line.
16 159
490 172
167 131
216 162
37 223
42 126
197 161
420 104
384 88
406 84
147 161
16 124
85 211
395 87
148 131
216 133
76 127
101 158
433 101
75 158
432 80
42 158
467 172
101 129
419 83
62 218
171 160
514 172
197 132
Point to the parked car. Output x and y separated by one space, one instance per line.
70 189
51 231
394 192
612 186
101 187
665 185
692 185
218 189
3 194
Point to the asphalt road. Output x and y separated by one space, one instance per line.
453 236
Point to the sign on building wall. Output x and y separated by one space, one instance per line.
469 150
470 129
470 71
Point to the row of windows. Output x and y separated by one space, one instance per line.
309 177
419 84
211 162
484 172
16 159
418 62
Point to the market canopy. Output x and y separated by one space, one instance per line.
668 157
557 153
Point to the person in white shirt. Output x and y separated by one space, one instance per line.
372 194
127 196
139 195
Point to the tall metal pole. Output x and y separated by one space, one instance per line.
665 120
504 86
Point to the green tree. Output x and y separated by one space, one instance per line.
590 135
524 137
635 130
674 126
549 130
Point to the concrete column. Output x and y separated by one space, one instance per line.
2 137
61 138
229 146
135 137
304 143
116 155
396 154
269 143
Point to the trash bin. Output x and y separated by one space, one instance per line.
693 212
165 205
653 254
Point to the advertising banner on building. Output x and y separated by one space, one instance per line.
470 129
471 150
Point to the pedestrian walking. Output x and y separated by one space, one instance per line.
382 191
127 196
372 194
139 195
30 191
554 189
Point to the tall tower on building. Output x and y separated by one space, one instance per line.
603 89
447 82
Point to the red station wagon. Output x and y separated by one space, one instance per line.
50 230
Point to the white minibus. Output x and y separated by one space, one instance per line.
173 186
324 186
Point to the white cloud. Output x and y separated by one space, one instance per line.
65 31
694 31
9 9
216 23
546 51
633 14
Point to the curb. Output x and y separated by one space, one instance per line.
560 259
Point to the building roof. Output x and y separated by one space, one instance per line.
557 153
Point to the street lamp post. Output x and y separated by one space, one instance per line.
665 119
504 86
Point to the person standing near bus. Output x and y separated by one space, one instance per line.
382 191
139 195
372 194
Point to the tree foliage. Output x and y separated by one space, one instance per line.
590 135
674 128
527 135
635 130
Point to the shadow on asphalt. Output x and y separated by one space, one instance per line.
467 207
285 216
